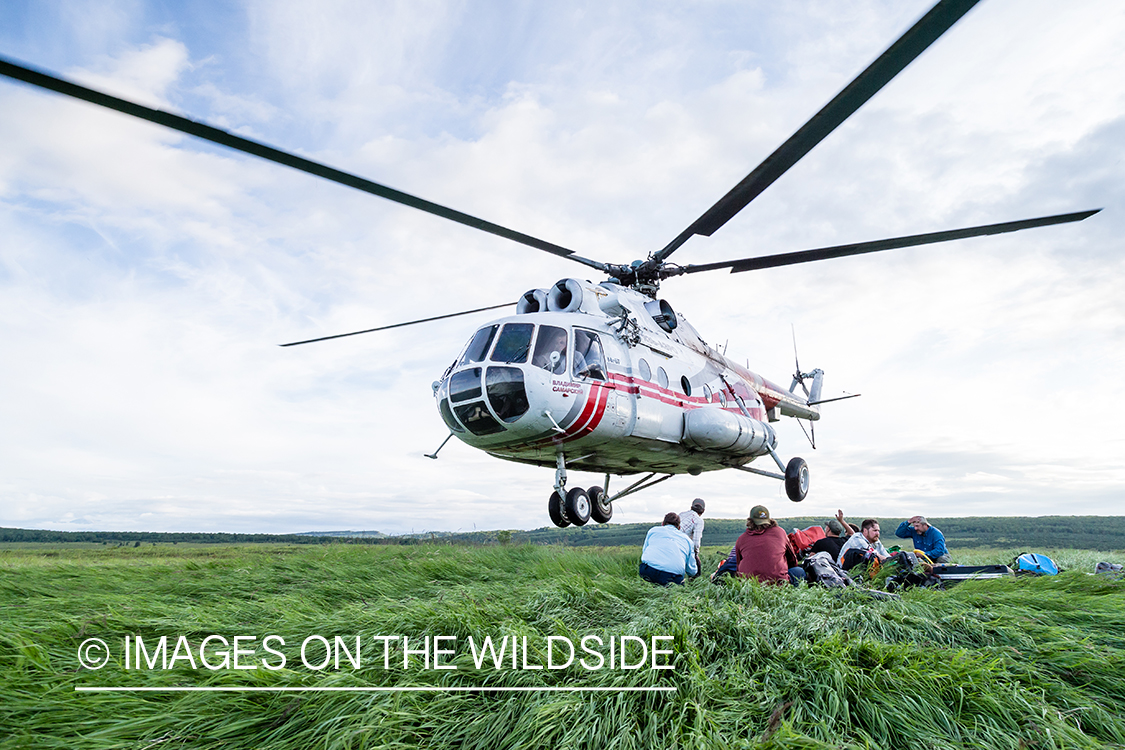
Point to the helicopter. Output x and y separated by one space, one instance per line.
629 387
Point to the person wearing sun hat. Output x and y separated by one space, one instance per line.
763 550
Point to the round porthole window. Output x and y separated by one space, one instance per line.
643 370
685 384
661 377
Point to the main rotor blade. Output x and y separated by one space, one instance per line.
900 54
874 246
399 325
261 150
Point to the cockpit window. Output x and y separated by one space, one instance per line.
465 385
478 347
550 349
589 362
514 343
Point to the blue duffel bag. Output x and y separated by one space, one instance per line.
1030 562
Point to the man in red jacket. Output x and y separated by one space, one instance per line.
763 551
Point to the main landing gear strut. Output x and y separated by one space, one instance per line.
577 506
796 476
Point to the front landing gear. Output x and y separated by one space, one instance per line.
576 506
576 509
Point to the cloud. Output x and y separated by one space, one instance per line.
146 278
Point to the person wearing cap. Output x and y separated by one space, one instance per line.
691 523
866 539
836 533
763 551
926 538
667 554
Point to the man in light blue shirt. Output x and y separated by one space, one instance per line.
926 538
667 554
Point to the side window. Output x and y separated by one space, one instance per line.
644 370
478 347
723 398
550 349
514 343
707 393
661 377
589 362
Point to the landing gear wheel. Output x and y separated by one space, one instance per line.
600 510
797 479
555 511
577 506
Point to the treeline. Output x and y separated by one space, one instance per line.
1043 532
187 537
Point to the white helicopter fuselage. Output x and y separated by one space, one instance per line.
613 380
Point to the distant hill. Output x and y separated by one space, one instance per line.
344 533
1067 532
1042 532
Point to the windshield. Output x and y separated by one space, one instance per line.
478 346
514 343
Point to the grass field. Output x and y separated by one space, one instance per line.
1025 663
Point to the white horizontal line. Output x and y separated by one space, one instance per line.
448 689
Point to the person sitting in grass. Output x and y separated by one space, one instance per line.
836 533
927 539
691 523
667 554
866 540
763 551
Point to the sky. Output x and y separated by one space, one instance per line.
147 278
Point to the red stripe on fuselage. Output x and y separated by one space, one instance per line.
601 400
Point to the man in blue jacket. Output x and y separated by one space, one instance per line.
926 538
667 554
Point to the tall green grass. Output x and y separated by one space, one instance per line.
1022 663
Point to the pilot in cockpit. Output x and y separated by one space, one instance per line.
550 349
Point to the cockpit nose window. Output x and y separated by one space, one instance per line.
478 346
506 392
589 362
550 349
514 343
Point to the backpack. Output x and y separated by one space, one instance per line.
904 563
802 539
821 568
1110 569
1031 562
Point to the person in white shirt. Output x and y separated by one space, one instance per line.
691 523
867 538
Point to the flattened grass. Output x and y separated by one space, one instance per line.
1027 663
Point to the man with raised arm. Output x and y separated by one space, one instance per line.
836 533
